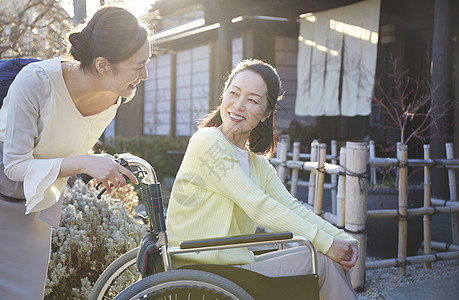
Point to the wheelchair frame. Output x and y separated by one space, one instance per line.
155 221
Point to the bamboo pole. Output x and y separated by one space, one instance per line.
427 203
296 157
412 212
312 175
393 262
373 169
329 168
334 178
383 162
442 202
451 173
277 159
341 193
433 210
402 155
330 217
327 186
414 162
283 161
444 246
453 194
320 176
382 213
356 204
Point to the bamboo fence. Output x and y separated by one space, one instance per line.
349 180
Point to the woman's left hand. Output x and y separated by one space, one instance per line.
344 252
347 264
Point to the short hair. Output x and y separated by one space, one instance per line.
113 33
263 138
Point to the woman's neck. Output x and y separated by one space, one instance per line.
85 91
238 139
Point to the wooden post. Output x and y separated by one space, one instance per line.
402 156
296 157
283 161
312 175
373 170
453 194
320 175
278 152
341 193
79 11
356 204
427 203
173 93
440 79
222 59
334 178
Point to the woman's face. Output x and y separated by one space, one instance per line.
243 106
129 73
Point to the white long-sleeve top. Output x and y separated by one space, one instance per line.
40 125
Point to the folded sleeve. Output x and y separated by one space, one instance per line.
224 176
27 95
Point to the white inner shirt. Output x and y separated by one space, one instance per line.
241 154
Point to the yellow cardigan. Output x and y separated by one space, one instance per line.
213 197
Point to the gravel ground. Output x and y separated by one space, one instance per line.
377 281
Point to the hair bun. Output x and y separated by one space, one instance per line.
80 48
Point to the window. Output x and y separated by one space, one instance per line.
237 55
286 52
157 110
192 89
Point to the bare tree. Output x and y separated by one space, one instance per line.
409 102
32 28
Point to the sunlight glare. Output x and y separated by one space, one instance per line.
319 47
309 17
354 31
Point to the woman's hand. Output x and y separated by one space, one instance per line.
343 252
102 167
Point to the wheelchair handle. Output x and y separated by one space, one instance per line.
133 160
237 239
128 160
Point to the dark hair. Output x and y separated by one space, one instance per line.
112 33
263 137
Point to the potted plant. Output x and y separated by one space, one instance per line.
407 106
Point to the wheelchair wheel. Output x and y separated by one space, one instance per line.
184 284
116 277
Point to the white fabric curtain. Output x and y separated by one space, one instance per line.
338 44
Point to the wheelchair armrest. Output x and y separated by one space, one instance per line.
237 239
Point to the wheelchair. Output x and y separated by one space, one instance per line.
122 280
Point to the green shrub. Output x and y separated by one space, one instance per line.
151 148
92 234
303 133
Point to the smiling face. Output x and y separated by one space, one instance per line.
244 105
126 75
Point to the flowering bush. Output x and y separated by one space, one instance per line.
128 196
92 234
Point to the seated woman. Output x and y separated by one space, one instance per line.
226 186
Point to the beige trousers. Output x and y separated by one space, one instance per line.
25 243
334 282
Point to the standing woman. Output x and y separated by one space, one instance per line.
54 113
226 186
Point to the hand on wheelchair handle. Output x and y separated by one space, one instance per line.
108 177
